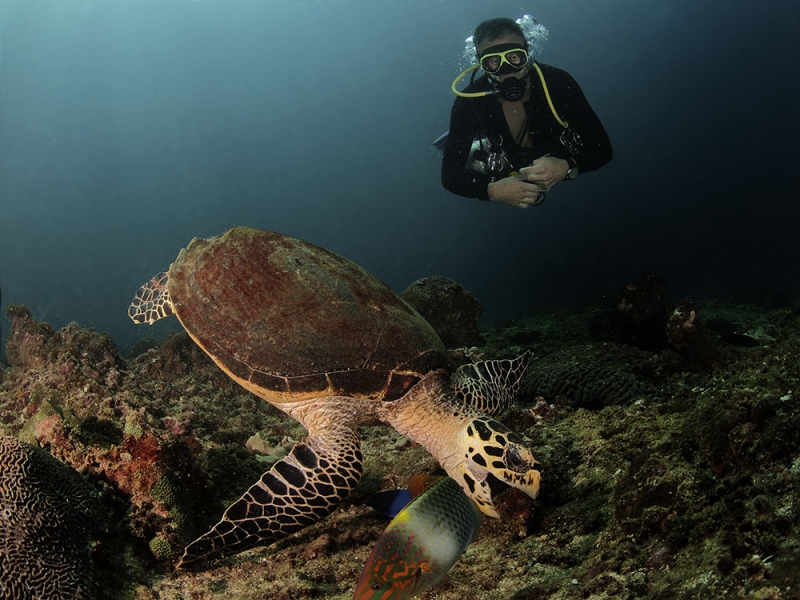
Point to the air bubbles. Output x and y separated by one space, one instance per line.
535 33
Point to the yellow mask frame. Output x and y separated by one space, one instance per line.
503 55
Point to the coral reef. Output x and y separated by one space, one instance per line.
451 309
134 429
47 514
665 475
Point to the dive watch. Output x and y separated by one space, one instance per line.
572 172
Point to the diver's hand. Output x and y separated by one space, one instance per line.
545 172
514 191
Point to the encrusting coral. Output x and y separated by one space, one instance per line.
589 376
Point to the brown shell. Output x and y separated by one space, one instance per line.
290 320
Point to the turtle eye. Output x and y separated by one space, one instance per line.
513 459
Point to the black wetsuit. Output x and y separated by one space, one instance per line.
473 118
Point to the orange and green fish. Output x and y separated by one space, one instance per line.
422 542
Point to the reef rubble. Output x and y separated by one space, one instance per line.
669 437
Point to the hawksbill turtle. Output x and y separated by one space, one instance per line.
332 346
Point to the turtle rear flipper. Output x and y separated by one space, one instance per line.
299 490
490 385
151 302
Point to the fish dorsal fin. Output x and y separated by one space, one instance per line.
419 484
490 385
390 503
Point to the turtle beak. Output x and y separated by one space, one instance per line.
492 449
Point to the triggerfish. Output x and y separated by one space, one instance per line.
422 542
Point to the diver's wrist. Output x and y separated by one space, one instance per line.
572 169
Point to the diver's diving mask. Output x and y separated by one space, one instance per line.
497 57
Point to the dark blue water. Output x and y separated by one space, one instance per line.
129 126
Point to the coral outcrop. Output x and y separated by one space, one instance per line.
134 429
591 376
641 316
451 309
47 515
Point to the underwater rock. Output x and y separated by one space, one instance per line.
642 309
686 335
728 331
744 428
47 513
142 346
451 309
642 317
79 354
26 339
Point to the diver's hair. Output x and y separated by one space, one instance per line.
495 28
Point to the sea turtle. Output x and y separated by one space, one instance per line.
333 347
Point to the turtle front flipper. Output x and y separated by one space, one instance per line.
151 302
299 490
490 385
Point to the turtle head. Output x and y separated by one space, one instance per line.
489 448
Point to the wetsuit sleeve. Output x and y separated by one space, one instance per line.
455 177
573 107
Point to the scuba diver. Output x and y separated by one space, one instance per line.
523 126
